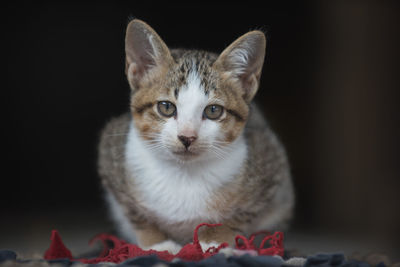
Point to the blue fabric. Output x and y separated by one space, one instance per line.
355 263
335 259
219 260
7 255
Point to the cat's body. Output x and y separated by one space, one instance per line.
191 151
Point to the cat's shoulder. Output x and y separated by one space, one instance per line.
114 134
256 119
117 126
260 137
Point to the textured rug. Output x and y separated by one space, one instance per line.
117 252
10 258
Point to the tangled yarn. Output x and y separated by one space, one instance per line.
122 250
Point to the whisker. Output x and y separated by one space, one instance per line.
217 154
154 146
218 151
223 145
117 134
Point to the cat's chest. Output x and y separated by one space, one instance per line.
175 196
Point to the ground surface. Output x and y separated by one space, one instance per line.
28 234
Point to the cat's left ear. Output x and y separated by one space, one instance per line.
146 53
243 61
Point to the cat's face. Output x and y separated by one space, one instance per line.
187 105
190 112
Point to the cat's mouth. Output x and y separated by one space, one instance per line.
185 153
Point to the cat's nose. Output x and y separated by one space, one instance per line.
186 140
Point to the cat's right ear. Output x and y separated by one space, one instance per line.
242 62
146 54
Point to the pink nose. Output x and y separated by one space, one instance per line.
187 140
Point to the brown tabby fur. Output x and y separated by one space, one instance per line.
258 193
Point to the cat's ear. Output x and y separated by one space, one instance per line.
242 61
146 53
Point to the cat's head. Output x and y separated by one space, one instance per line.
190 104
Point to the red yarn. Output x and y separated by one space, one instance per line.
122 250
275 241
57 250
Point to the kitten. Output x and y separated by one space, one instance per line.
193 148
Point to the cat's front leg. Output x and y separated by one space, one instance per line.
149 236
214 236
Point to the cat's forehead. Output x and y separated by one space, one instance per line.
193 68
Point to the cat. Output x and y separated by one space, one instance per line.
193 148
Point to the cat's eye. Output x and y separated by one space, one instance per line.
166 108
213 112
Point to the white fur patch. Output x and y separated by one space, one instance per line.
205 245
191 103
169 245
190 106
178 192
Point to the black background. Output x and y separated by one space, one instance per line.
329 88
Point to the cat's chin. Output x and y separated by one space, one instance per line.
186 155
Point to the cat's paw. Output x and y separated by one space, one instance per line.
169 245
206 245
230 251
